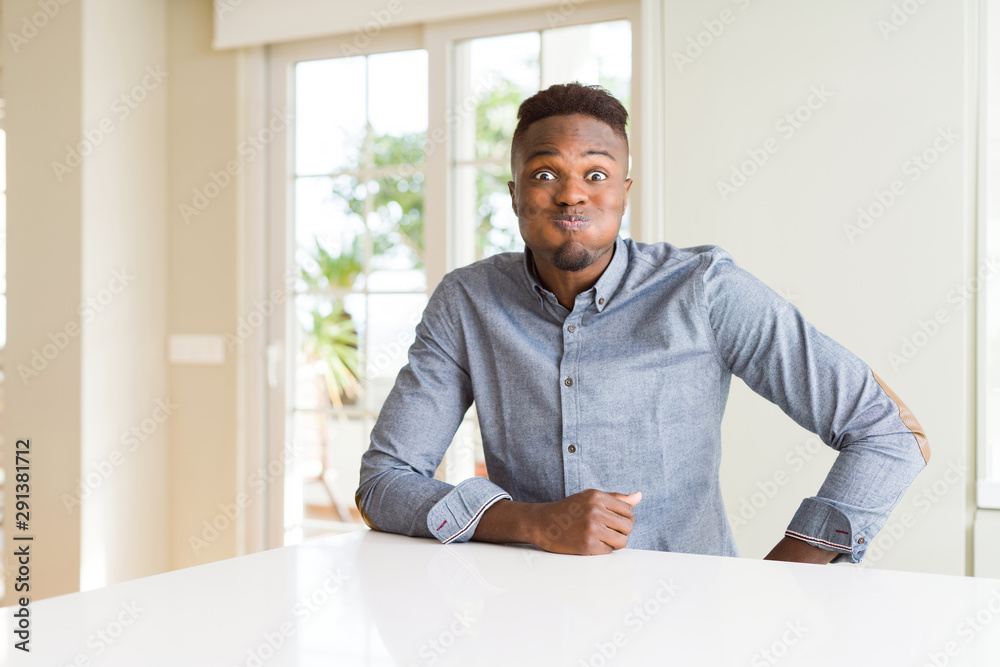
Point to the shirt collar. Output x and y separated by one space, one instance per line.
605 286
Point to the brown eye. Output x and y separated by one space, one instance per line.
602 175
545 173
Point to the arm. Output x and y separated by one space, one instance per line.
589 522
795 550
397 491
823 387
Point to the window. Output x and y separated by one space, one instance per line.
397 172
361 285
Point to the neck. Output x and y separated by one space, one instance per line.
566 285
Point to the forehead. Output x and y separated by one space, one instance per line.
570 133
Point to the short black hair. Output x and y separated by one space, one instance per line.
563 99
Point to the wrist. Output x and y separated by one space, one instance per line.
507 521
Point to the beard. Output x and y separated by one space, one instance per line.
572 256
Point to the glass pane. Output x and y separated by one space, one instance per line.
496 224
329 232
502 72
393 320
460 461
397 101
330 101
330 460
397 223
597 53
328 355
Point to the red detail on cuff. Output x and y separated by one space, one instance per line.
442 524
842 531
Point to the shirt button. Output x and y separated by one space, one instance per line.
571 328
571 449
861 540
569 382
600 301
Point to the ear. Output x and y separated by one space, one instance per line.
628 186
513 199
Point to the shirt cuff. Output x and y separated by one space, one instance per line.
823 525
454 518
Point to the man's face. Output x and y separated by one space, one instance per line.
569 190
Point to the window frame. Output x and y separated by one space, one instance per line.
988 458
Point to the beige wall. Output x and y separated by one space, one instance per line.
164 436
202 119
44 231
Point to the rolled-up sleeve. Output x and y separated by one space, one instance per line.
764 340
397 492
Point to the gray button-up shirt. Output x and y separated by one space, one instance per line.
625 392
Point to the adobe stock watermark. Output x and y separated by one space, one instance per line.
303 610
927 329
894 530
366 32
786 127
130 440
246 152
701 41
225 518
461 111
967 630
30 25
461 455
898 17
224 7
262 310
88 310
779 648
121 108
566 9
101 640
914 167
796 459
379 362
634 620
432 649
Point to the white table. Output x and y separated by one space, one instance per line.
369 598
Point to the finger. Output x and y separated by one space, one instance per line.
615 504
617 522
614 539
630 498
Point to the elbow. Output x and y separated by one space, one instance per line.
909 421
360 503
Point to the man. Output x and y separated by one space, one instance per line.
600 369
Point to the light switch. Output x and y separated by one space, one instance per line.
202 350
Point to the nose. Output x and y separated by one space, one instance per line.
571 192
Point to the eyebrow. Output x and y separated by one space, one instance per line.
552 151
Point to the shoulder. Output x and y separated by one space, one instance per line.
502 266
493 273
650 261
